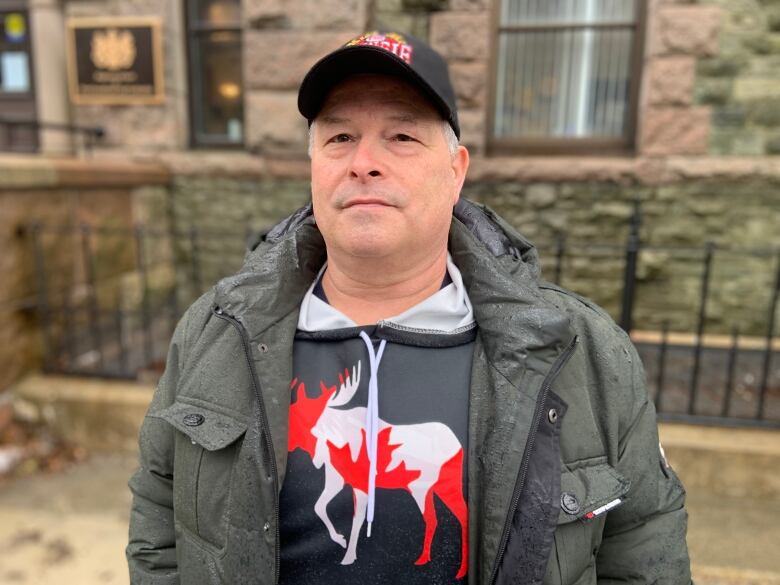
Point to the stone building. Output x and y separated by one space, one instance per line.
572 111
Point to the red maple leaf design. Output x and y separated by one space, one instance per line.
355 473
304 414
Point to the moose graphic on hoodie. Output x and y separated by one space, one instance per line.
424 459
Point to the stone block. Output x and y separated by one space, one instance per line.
689 30
768 66
541 196
669 131
670 80
280 59
723 65
274 125
772 145
728 116
461 35
306 14
474 5
423 5
473 129
713 91
736 142
760 44
774 41
397 21
749 88
470 83
743 17
764 112
389 5
773 18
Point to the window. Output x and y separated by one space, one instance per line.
566 75
17 96
216 86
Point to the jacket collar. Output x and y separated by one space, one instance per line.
500 270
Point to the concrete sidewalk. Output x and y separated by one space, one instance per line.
71 527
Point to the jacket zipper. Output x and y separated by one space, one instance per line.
269 448
519 484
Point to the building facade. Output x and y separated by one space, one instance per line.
572 111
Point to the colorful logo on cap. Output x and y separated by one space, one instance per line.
390 42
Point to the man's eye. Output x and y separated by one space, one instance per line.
340 138
404 138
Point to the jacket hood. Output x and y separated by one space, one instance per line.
500 269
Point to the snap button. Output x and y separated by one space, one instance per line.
569 503
266 527
193 419
552 415
262 347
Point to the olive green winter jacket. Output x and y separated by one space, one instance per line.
566 484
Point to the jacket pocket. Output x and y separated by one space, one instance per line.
588 491
208 439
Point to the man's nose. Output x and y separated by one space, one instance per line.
365 161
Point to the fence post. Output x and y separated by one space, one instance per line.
633 245
44 314
140 251
560 250
88 261
770 332
709 251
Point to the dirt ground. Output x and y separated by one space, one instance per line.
71 527
67 527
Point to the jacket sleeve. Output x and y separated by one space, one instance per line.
151 550
644 539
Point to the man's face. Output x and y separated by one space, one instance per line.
383 180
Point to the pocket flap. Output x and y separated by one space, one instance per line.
207 427
590 490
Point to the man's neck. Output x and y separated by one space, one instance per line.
368 291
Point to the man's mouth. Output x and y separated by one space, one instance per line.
359 201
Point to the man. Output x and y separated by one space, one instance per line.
388 393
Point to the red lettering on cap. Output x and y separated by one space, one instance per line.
390 42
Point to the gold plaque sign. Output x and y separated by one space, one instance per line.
115 61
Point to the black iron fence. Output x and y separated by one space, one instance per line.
108 299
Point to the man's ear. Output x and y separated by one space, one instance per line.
460 166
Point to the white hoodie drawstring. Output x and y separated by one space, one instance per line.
372 420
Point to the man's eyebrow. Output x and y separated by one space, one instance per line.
406 118
331 119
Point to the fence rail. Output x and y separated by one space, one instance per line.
14 141
109 297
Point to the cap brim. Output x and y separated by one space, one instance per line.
357 60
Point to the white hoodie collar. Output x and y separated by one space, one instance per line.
445 311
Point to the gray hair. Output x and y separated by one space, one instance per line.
447 131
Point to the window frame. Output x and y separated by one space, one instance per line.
192 29
625 145
24 102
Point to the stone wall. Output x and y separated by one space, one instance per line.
679 217
741 82
58 195
215 216
677 220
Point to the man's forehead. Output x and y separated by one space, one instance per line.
399 97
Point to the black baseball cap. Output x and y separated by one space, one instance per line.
387 53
